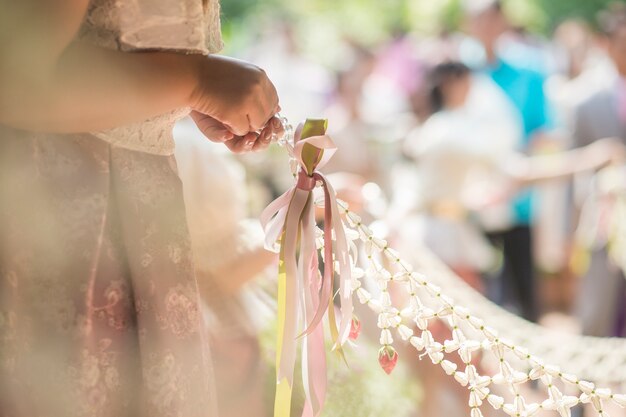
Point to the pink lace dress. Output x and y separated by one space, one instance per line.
99 306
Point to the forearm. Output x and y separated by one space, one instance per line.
561 165
92 88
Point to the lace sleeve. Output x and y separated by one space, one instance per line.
191 26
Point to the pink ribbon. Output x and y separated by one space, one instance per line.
308 294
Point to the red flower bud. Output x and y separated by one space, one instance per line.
355 328
387 358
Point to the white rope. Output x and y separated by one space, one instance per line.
600 359
470 335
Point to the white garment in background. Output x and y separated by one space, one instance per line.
461 156
215 194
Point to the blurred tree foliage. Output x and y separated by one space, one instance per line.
540 16
371 20
557 11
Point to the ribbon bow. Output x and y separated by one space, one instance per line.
305 295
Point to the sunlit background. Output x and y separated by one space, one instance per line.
438 135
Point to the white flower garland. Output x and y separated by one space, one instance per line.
391 318
598 359
470 335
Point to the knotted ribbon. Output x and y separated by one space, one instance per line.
304 294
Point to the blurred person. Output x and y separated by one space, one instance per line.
579 69
519 45
430 52
393 94
221 237
353 134
486 22
601 303
397 60
445 155
454 149
100 312
392 101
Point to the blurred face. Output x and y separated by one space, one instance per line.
455 92
617 49
487 26
573 38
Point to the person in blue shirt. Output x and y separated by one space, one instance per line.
524 87
486 22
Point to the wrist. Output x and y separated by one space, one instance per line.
192 79
202 67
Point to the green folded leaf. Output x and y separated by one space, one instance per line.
311 155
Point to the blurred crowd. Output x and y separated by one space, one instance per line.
499 150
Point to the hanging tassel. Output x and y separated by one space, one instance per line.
305 295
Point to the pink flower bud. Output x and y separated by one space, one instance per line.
355 328
387 358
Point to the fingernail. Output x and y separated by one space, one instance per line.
276 123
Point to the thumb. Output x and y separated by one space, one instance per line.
211 128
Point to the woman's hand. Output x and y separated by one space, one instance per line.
252 141
235 103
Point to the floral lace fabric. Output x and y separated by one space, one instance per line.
99 306
190 26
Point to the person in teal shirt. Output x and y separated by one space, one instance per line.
524 87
